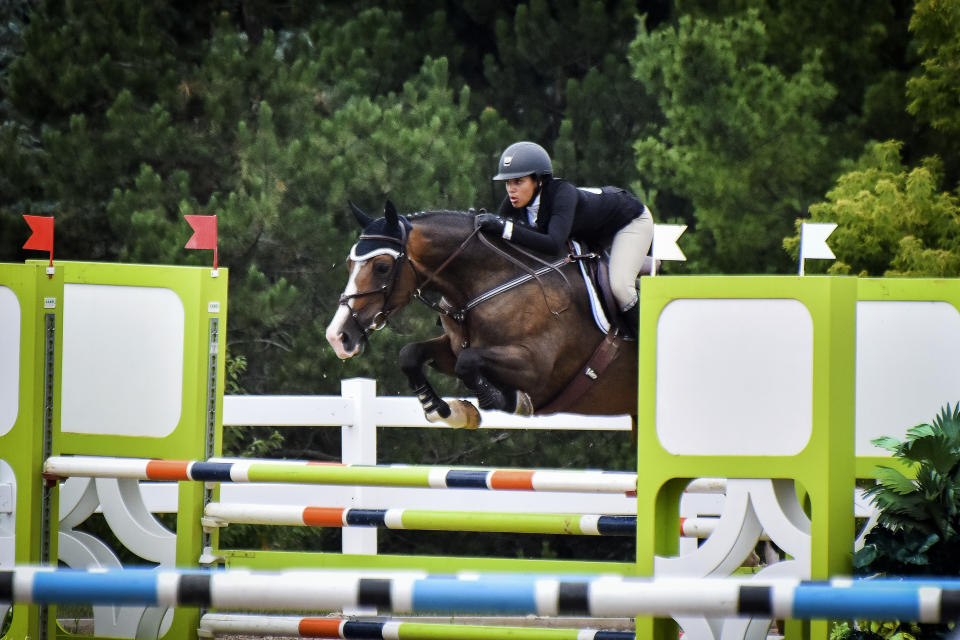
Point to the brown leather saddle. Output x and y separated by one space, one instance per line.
597 268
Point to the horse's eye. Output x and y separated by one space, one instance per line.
381 268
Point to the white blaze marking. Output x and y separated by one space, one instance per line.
342 315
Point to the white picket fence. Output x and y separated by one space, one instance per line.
358 412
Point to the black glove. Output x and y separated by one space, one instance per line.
491 222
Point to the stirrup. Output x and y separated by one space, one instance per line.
524 404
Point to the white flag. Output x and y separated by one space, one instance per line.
813 240
665 241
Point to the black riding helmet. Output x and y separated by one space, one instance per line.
523 159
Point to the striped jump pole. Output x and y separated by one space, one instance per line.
933 600
379 629
219 514
414 476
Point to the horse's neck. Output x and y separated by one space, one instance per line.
473 269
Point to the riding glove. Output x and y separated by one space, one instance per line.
491 222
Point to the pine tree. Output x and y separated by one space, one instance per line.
741 140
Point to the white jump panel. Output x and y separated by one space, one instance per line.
8 521
9 359
8 517
734 377
907 355
122 360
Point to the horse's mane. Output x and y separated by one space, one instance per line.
455 225
444 220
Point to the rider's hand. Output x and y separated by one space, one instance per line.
491 222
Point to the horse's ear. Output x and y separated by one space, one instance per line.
362 218
390 213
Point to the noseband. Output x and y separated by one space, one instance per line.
387 289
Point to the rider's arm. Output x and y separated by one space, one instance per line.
563 208
506 210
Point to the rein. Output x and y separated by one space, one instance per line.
555 266
459 315
519 280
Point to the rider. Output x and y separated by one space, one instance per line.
542 212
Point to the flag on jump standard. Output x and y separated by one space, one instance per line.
204 234
664 245
42 237
813 241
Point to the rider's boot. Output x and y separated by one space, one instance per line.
632 318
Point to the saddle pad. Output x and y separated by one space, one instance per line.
596 307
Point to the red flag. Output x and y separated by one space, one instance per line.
204 234
42 238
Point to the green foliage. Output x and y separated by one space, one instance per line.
541 45
872 630
741 140
892 220
934 93
926 505
590 148
863 53
918 527
121 116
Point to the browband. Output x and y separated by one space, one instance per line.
373 253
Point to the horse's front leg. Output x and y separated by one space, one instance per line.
484 370
438 354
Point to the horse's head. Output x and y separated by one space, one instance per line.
379 284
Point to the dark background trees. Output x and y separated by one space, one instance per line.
737 118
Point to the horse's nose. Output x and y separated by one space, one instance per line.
342 343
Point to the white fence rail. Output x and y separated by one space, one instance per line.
359 412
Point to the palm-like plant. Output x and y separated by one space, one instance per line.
929 503
918 528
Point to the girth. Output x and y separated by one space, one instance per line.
603 355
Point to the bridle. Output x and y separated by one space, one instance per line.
401 257
386 289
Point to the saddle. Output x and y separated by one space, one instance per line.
595 268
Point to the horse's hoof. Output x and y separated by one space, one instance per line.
463 415
524 404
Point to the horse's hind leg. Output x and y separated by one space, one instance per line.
474 368
438 354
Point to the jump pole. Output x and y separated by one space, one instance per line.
212 624
926 601
418 476
219 514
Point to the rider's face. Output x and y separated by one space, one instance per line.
520 190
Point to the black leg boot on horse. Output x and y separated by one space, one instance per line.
457 413
490 395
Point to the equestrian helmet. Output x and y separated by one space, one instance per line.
523 159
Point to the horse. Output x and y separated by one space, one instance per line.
518 330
